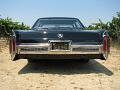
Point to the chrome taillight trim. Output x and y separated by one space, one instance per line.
13 45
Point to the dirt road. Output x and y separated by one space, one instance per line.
60 75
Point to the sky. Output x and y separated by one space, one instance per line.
88 11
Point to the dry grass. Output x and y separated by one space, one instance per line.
115 44
3 44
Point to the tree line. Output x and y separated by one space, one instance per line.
113 27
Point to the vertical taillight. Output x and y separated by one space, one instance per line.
105 42
14 44
10 47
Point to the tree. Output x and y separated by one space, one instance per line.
6 25
113 27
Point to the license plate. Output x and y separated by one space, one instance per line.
60 46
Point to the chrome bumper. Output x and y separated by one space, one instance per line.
44 48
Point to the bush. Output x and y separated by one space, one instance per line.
6 25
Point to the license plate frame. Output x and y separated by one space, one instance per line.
60 45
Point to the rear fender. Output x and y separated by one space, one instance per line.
12 46
106 46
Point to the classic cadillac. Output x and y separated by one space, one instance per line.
59 38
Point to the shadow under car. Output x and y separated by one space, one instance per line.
65 67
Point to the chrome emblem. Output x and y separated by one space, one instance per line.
60 35
44 32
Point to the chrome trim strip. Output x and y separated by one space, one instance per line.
86 45
60 41
57 53
104 34
33 45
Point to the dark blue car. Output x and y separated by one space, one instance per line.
59 38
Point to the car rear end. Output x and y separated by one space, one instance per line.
65 48
59 38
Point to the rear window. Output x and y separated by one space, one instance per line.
57 23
